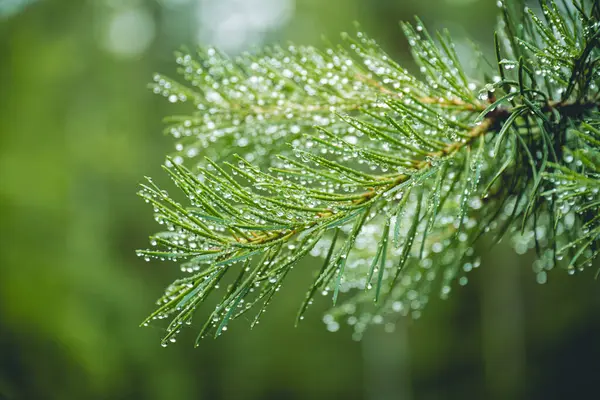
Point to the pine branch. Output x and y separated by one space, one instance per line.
389 178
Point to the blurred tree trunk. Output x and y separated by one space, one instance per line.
503 336
387 364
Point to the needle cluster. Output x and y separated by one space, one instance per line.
388 178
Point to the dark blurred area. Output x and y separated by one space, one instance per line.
78 131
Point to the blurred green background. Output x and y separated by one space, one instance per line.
78 131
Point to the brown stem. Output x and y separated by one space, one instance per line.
492 121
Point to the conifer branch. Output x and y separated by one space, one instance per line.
343 154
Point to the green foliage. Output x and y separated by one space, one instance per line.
345 155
